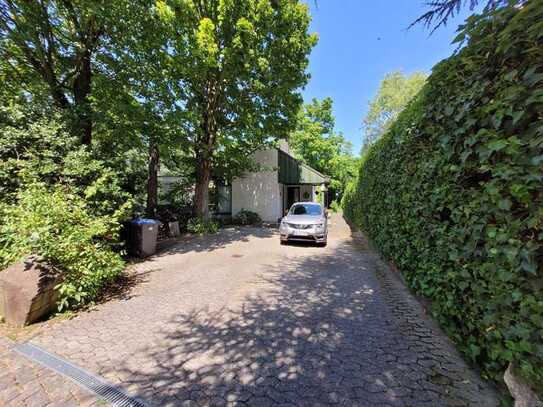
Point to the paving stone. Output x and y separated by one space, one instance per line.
24 383
237 319
260 402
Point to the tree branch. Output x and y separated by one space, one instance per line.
441 11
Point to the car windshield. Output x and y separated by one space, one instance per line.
306 209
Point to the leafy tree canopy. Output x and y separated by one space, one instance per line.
236 68
54 47
395 92
316 142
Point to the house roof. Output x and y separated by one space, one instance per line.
292 171
312 176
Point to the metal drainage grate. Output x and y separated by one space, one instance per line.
100 387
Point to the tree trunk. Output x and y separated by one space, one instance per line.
82 89
204 152
152 181
201 193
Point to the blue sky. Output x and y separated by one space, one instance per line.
359 42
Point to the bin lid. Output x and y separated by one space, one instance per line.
144 221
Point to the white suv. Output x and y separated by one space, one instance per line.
305 221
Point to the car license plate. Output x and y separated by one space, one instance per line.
299 232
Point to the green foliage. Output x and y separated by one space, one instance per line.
59 202
58 225
350 202
64 55
34 148
320 197
395 92
315 142
202 81
200 226
452 192
335 207
179 194
225 61
245 217
30 146
50 49
440 12
172 213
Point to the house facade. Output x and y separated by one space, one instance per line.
280 181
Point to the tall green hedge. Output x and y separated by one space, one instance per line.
453 193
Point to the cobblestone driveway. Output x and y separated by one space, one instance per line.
239 319
24 383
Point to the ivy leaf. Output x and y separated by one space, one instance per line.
520 192
537 160
517 115
460 37
474 350
529 266
511 75
497 145
531 77
511 252
486 170
504 204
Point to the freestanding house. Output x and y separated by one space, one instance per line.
270 191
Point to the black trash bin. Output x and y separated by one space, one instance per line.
143 237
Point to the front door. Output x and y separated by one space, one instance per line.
293 196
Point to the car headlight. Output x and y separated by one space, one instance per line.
319 225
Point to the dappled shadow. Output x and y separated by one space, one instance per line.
208 243
317 333
358 237
303 244
122 288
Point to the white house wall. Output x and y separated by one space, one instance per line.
260 191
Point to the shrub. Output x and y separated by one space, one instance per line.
171 213
335 207
350 201
57 225
180 194
453 192
60 202
34 148
202 227
245 217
